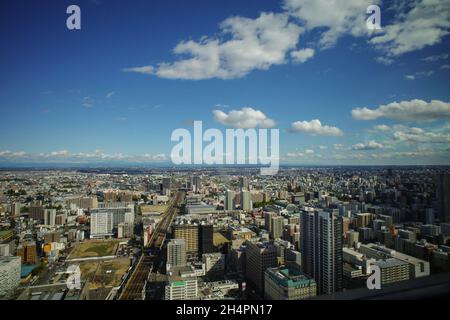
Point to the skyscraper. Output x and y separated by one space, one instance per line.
443 197
165 186
188 232
229 200
9 274
196 183
277 224
176 253
321 243
49 217
243 183
246 201
259 257
268 220
205 240
36 212
15 208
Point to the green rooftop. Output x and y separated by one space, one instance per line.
289 277
178 283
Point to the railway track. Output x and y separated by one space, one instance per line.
135 285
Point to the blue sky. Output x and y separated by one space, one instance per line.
116 89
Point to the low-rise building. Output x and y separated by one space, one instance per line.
182 284
392 270
285 283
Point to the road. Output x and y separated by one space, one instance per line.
135 285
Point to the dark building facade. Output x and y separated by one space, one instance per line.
206 239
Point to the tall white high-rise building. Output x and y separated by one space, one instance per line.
321 247
50 217
246 201
277 225
229 200
101 224
9 274
176 253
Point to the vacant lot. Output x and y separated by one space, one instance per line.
104 273
94 248
154 208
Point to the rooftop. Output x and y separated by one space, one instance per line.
289 277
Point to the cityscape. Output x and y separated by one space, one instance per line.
220 234
235 151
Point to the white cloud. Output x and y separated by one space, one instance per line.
445 66
59 153
307 153
413 110
157 157
254 44
143 70
18 154
245 118
77 157
384 60
435 57
337 17
419 74
302 55
244 45
338 146
382 128
87 102
419 135
315 127
110 94
423 23
11 154
295 154
371 145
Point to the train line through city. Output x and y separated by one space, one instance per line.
135 286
